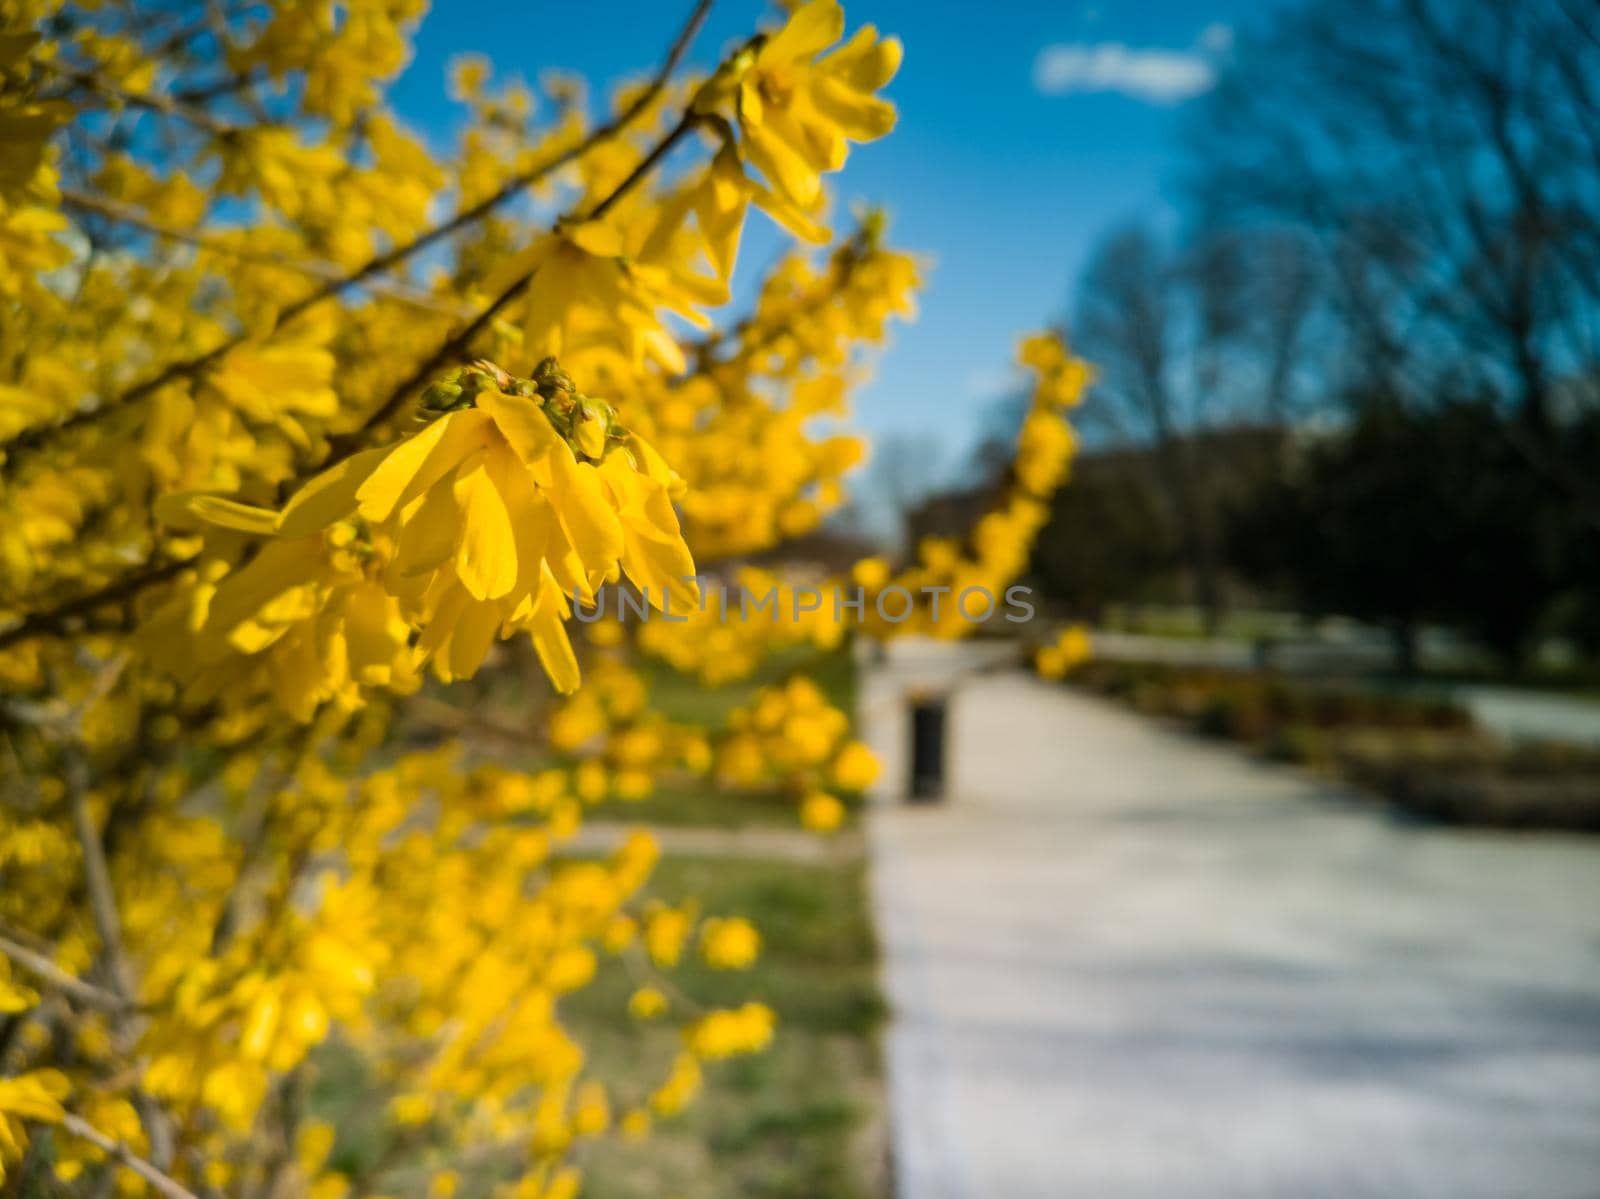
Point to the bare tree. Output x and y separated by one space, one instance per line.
1284 304
905 469
1443 156
1130 323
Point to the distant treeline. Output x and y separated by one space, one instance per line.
1364 376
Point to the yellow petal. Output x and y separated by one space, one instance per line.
720 206
420 461
373 633
784 168
509 270
865 62
641 501
860 116
474 634
189 510
584 506
596 237
428 537
654 465
487 558
330 496
564 563
530 515
661 568
811 27
522 423
791 216
550 640
260 1025
281 567
442 625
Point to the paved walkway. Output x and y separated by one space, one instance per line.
1127 963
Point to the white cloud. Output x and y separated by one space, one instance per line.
1159 76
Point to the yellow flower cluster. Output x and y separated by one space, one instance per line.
750 429
821 812
29 223
625 743
929 595
26 123
729 943
418 915
996 549
798 107
521 496
238 445
34 1096
731 1032
735 627
1069 650
791 734
342 60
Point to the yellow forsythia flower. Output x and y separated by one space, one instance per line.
14 997
856 768
682 1084
635 1125
1069 650
821 812
520 496
35 1096
665 930
729 943
731 1032
591 1110
647 1003
798 109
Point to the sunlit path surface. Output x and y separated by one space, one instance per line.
1126 962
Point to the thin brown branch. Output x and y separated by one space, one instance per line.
456 346
690 121
97 879
532 175
149 101
461 722
232 85
53 620
58 979
390 258
123 1156
127 214
851 253
108 926
453 348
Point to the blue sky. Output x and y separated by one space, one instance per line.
1025 130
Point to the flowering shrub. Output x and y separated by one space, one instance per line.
1066 653
295 413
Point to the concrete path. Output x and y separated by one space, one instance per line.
1127 963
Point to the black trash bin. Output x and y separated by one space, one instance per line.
927 748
